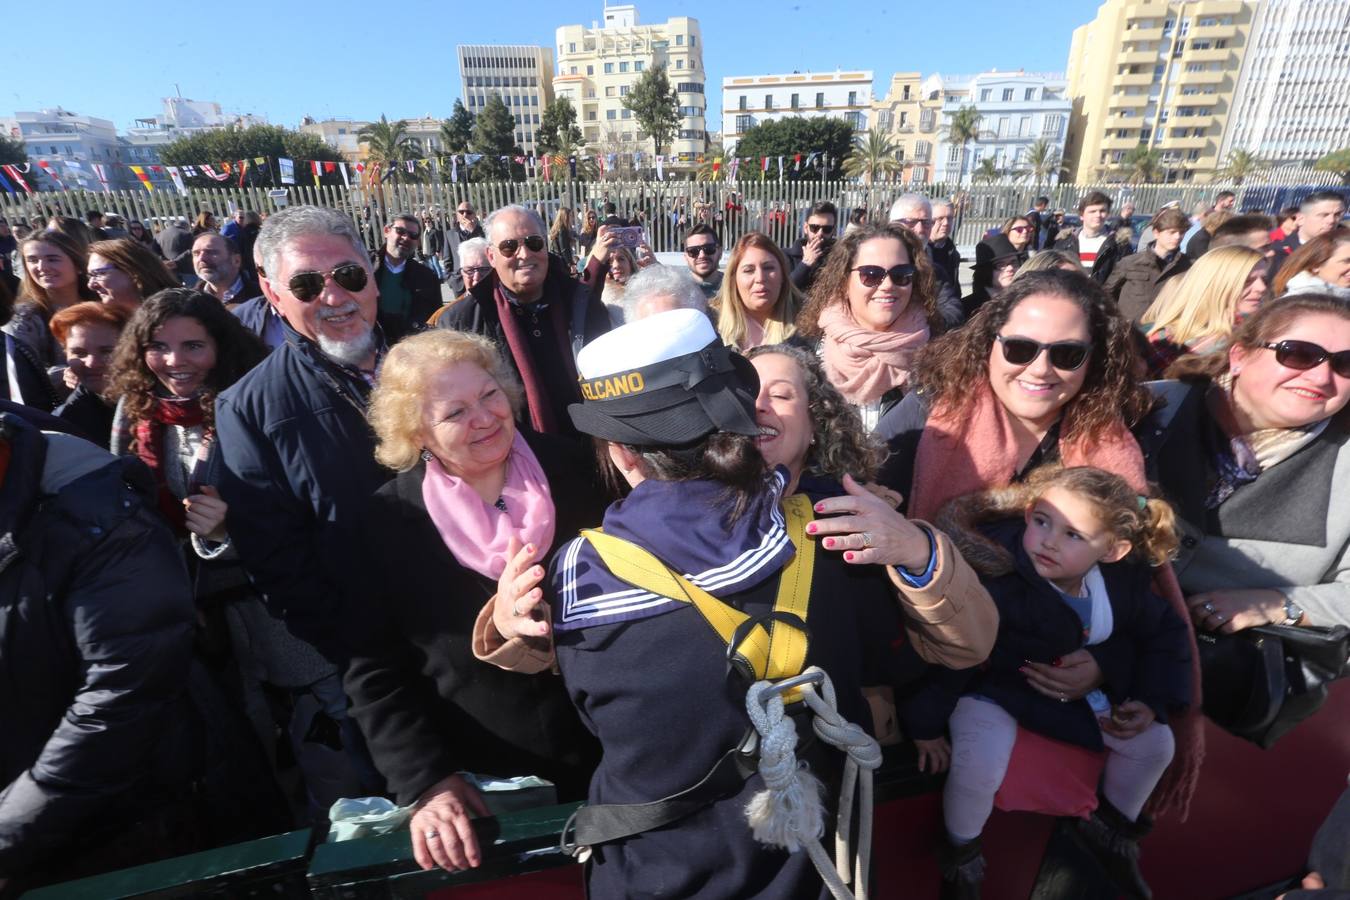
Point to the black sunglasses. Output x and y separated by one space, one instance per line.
464 212
534 243
1304 355
403 232
698 250
308 285
1064 355
816 229
871 276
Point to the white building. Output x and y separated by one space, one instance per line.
597 66
520 74
180 117
342 134
59 136
1016 110
749 100
1292 102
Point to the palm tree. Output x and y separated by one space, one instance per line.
714 166
873 155
587 170
964 128
1142 165
1239 165
985 173
387 141
1041 163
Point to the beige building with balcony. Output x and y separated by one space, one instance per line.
597 66
1160 73
911 113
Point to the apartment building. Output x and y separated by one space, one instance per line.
179 117
1157 73
522 75
1017 109
1292 103
911 113
61 137
342 134
749 100
598 65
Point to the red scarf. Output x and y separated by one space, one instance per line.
961 454
536 392
149 433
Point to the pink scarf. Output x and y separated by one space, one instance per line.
477 533
865 364
976 451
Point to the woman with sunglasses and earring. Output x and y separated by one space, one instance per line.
1252 447
871 310
1042 373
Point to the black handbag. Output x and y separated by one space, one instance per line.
1261 682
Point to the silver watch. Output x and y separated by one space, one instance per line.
1292 612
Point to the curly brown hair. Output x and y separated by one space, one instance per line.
841 445
237 351
950 366
831 286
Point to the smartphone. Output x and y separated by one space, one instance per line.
629 236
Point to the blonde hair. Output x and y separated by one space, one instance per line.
731 315
1044 260
1203 302
1147 524
395 412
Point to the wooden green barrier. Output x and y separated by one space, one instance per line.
270 867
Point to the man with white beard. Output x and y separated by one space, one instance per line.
296 450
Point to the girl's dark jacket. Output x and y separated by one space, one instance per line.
1146 658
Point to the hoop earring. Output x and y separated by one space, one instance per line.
426 455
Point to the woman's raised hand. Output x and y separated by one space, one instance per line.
520 610
868 529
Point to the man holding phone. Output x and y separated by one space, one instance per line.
808 254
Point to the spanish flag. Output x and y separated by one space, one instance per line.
145 179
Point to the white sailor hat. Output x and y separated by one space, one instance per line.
664 381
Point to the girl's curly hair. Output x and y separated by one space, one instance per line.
132 382
841 446
831 286
950 366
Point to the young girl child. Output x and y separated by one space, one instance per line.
1071 570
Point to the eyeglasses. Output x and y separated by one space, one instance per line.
533 243
403 232
817 229
914 223
871 276
308 285
476 271
1066 356
1020 228
1304 355
694 251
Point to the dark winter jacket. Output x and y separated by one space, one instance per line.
296 457
1146 658
91 415
426 706
453 238
425 288
1110 253
1135 281
802 275
948 286
91 685
256 315
33 384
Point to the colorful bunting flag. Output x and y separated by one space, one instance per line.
139 172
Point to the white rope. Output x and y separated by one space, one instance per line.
789 812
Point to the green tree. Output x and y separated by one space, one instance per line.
494 136
387 141
558 125
985 173
12 151
873 155
232 144
962 130
1338 162
788 137
655 105
1041 163
1142 165
1239 166
560 159
457 131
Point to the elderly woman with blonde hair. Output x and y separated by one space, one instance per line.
477 500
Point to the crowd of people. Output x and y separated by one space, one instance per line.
282 526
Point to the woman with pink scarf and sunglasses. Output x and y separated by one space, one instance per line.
475 492
872 308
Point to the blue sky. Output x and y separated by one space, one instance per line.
343 58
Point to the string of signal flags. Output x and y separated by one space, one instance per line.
72 174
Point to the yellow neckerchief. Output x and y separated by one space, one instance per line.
776 653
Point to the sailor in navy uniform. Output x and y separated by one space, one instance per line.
650 675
